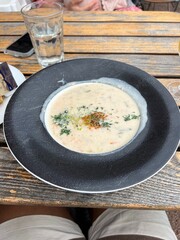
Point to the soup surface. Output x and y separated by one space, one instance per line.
92 118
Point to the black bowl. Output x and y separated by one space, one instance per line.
39 154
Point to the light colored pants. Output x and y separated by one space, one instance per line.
112 222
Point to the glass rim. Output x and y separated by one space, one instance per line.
29 5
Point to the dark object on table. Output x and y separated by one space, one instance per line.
7 75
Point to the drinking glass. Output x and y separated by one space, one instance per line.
44 22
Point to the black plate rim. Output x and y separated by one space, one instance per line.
87 192
84 191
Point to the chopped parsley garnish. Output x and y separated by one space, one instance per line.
62 120
130 117
88 117
106 124
65 131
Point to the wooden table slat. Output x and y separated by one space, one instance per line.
155 65
104 16
117 44
103 29
121 45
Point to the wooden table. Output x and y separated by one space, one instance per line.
148 40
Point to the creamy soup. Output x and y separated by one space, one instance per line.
92 117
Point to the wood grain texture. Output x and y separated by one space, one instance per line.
157 65
121 45
13 28
23 188
121 29
103 29
93 44
104 16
